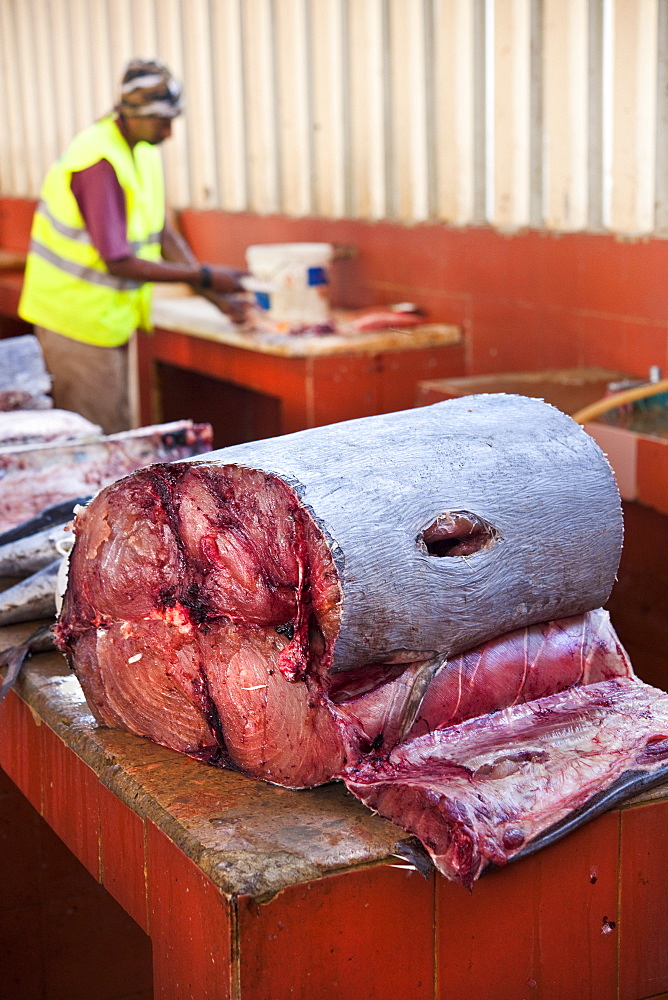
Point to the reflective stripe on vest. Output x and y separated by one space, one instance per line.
81 272
81 233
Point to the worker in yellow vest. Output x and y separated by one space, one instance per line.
100 240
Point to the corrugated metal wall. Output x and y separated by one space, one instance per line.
543 113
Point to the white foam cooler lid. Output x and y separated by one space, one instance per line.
262 255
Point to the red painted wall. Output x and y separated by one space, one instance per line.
15 221
526 301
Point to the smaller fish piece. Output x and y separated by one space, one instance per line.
52 516
26 427
34 476
24 380
28 555
32 598
386 319
14 657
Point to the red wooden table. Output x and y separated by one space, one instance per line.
258 385
254 892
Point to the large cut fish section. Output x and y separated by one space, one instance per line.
410 602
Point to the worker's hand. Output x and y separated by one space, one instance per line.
235 306
225 279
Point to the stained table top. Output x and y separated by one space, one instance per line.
195 316
248 836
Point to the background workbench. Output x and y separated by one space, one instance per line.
257 385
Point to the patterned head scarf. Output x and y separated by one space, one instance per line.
148 88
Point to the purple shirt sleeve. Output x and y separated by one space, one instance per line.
101 202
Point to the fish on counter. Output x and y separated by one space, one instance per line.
34 551
403 316
409 603
40 641
33 597
31 546
35 476
29 555
36 537
49 517
25 383
495 786
36 596
27 427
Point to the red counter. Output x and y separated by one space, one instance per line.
253 892
254 385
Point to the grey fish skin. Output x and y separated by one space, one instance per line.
511 463
32 598
31 554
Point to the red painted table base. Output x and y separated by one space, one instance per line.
308 391
586 918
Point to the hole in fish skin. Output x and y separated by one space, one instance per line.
457 533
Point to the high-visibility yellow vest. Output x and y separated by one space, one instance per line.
67 286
